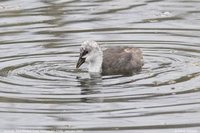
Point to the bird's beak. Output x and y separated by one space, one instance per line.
80 62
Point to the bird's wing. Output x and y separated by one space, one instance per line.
120 59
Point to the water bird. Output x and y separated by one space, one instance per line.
116 60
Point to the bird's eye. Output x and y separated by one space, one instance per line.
85 52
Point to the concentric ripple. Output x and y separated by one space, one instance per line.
41 89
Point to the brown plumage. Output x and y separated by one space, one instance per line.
122 60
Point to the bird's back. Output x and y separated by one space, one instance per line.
122 60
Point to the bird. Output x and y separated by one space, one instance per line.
112 61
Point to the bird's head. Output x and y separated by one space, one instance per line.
89 52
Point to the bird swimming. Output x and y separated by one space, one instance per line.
117 60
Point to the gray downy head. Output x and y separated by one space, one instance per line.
91 53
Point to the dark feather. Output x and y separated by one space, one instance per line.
122 60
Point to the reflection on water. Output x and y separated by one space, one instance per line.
41 89
91 86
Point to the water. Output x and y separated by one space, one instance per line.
41 89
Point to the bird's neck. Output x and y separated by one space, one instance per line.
95 66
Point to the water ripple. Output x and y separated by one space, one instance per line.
41 89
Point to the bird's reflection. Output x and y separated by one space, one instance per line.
91 88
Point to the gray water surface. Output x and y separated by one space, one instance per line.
41 89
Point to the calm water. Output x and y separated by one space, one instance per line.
41 89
